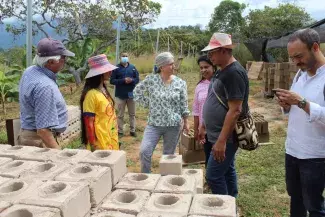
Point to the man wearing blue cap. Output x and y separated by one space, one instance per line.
43 112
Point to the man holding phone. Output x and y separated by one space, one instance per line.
305 144
125 77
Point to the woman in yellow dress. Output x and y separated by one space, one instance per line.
99 123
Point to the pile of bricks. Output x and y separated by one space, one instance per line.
262 127
278 75
37 182
190 149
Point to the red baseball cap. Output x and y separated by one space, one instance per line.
47 47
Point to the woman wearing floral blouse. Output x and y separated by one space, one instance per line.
166 97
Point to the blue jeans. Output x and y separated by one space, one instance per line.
222 177
305 179
151 137
207 150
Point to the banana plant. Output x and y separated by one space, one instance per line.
8 88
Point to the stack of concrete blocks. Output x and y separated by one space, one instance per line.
74 124
281 76
262 127
190 149
56 183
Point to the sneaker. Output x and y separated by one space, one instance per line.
134 134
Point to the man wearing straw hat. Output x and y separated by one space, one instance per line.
229 87
43 112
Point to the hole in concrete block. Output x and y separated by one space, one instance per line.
170 157
55 188
68 153
178 181
15 164
102 154
139 177
191 172
20 213
15 148
167 200
44 167
212 202
42 150
12 187
126 197
83 169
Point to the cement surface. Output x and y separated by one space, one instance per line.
130 202
98 178
40 154
213 205
176 185
159 214
4 160
4 205
15 152
112 214
139 181
30 211
72 156
170 165
198 175
169 203
16 168
116 160
71 198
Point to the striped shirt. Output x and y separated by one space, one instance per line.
42 105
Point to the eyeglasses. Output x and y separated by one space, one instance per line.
213 51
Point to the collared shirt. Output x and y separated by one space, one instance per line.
167 103
42 105
122 89
306 133
201 92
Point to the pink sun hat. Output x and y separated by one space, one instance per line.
220 40
99 65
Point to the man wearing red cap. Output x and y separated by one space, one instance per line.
227 100
43 112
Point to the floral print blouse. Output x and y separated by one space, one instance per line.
167 103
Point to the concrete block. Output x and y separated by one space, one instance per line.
17 189
3 180
139 181
170 165
4 205
176 185
4 160
112 214
130 202
45 171
159 214
16 168
72 156
40 154
98 178
4 146
30 211
116 160
191 156
169 203
188 141
213 205
71 198
197 174
15 152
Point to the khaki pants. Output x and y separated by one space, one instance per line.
30 138
121 103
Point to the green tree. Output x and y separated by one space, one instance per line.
227 17
268 22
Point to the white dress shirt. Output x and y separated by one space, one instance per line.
306 133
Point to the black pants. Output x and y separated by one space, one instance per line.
207 150
305 179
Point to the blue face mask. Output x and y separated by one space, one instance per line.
124 59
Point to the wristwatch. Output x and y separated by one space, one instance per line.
302 103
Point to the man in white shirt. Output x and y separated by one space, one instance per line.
305 144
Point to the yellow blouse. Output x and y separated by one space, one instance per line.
105 119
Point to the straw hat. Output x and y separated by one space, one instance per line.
99 65
220 40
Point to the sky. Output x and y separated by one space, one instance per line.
192 12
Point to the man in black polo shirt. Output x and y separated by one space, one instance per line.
226 101
125 77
